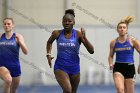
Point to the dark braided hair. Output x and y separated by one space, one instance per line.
70 11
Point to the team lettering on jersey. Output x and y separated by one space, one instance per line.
6 43
67 44
121 49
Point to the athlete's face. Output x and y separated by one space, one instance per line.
68 22
8 25
122 29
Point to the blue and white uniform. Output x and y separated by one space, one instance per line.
68 53
124 58
9 54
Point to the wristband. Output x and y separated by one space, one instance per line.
48 54
111 65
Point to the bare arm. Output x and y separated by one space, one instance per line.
20 41
54 35
136 45
84 40
111 54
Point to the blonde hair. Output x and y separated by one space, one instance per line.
126 20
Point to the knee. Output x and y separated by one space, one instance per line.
67 91
74 90
8 80
120 90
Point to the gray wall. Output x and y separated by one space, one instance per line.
50 12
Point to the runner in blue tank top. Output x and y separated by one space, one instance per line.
124 69
67 68
10 44
124 51
68 49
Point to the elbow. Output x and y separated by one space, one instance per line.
25 52
91 52
48 43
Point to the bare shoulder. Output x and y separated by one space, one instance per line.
132 38
112 43
134 41
78 33
56 33
19 35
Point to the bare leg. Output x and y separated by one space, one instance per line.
6 77
63 80
15 84
119 82
129 86
75 79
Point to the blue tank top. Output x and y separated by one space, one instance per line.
67 49
124 52
9 51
